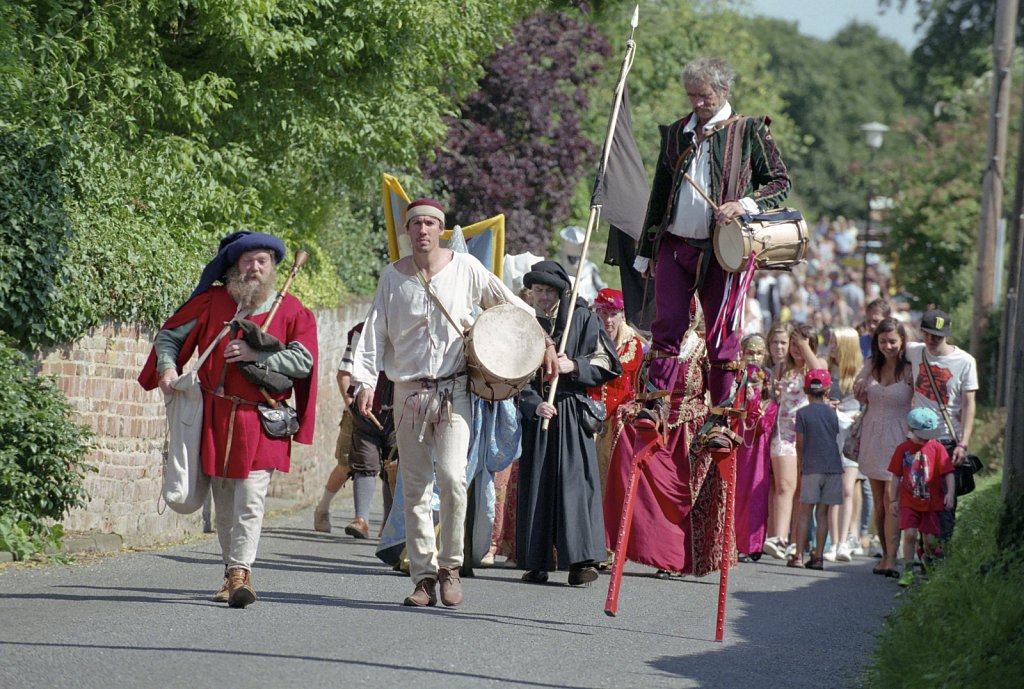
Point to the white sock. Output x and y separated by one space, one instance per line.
325 501
362 494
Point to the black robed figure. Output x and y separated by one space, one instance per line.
559 522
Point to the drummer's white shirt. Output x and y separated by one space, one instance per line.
408 337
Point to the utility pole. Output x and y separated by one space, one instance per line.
992 192
1015 243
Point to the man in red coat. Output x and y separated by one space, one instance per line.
236 452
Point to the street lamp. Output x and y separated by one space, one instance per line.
874 132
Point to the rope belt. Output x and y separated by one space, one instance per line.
435 381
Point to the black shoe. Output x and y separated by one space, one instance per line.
582 576
648 418
535 576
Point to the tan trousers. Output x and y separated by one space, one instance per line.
433 427
240 504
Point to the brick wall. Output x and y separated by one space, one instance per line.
98 372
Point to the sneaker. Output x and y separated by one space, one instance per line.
844 553
774 547
791 550
876 548
855 547
830 553
322 521
908 577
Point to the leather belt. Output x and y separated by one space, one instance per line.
230 398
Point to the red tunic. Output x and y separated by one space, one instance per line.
251 448
621 389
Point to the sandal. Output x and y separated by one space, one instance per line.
815 563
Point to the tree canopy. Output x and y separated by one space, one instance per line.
134 134
518 147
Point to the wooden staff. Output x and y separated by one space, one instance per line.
300 259
595 209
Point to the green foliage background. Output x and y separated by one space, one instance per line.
41 457
961 627
133 135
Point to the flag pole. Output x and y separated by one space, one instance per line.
595 208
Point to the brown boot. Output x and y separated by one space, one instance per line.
222 594
358 528
451 586
240 591
423 595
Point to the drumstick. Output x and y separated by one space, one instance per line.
700 191
373 418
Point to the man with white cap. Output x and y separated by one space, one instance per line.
409 336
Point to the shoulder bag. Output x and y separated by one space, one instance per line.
963 478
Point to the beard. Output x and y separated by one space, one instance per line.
250 289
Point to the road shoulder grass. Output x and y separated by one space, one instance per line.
964 625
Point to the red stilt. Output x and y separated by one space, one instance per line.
727 467
611 604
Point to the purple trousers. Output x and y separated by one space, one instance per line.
674 280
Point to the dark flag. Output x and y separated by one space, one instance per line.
623 193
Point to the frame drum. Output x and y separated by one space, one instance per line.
504 349
778 241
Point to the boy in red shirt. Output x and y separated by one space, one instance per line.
922 486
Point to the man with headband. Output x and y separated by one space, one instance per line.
410 337
235 451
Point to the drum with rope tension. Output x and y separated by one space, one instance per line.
504 349
777 240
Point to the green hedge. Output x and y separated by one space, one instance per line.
42 471
964 626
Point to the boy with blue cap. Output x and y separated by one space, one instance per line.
922 486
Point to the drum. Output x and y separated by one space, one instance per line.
504 349
778 241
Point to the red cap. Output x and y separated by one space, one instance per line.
609 299
817 380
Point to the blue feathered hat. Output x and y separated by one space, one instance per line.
231 247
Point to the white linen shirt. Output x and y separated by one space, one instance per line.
408 337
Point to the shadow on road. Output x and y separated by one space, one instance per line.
769 638
417 672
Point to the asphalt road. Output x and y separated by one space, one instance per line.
329 615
